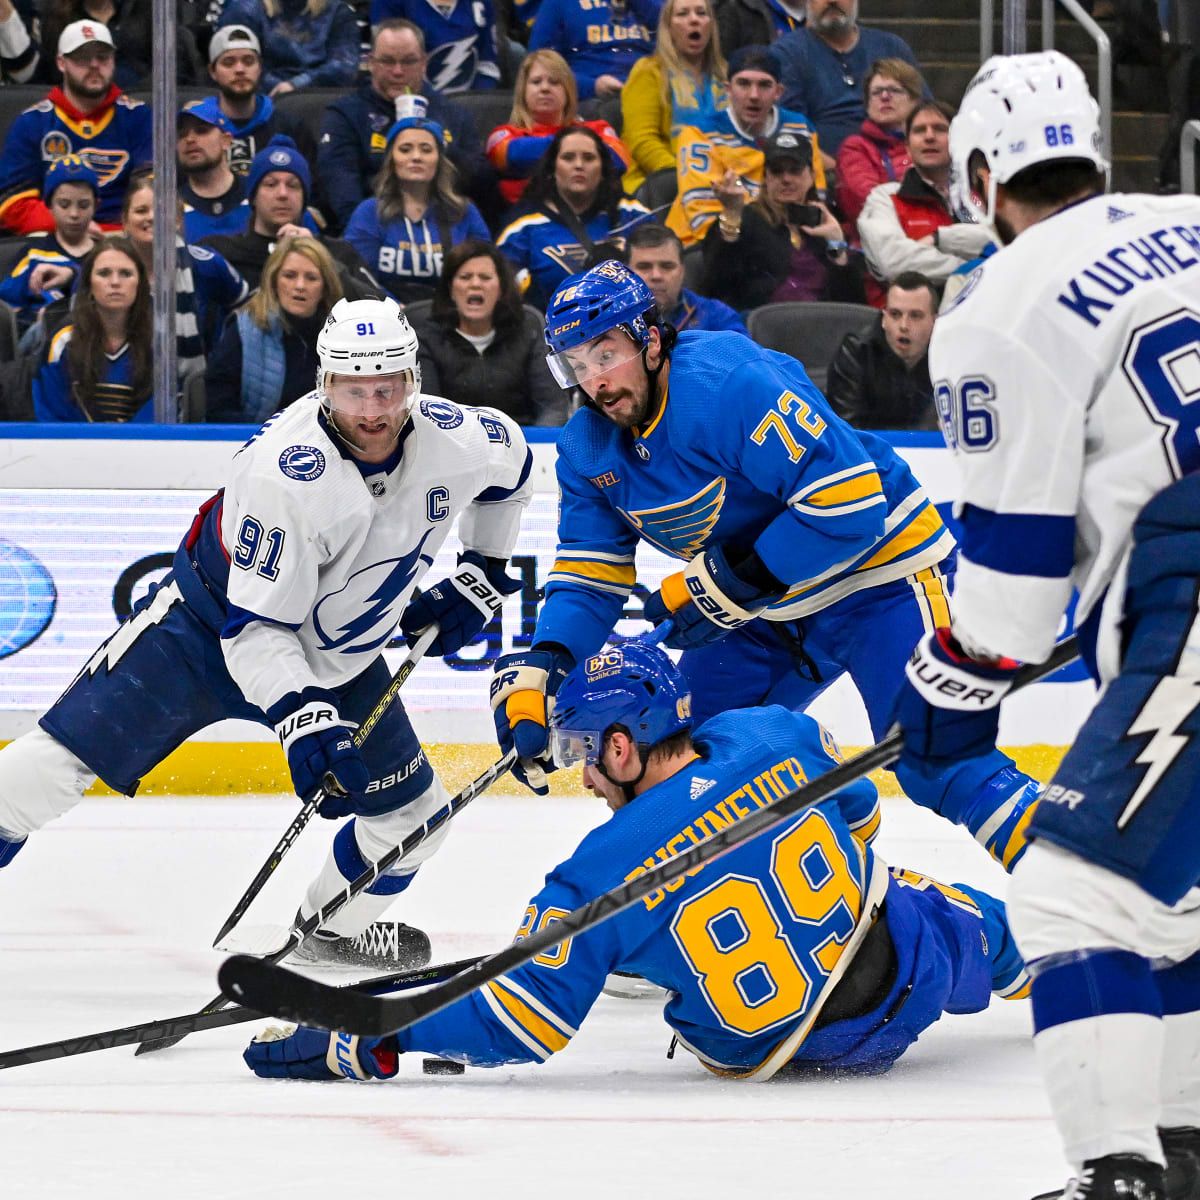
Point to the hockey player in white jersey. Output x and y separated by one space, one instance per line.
1067 378
281 599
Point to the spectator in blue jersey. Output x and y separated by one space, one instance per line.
305 43
354 129
656 254
235 68
404 231
574 214
684 82
460 38
47 271
826 64
267 355
481 341
600 39
99 367
88 115
757 22
214 198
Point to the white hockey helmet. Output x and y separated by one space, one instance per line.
1020 110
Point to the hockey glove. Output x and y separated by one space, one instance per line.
949 704
461 605
317 743
707 600
523 688
292 1052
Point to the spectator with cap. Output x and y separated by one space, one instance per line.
826 63
214 199
880 380
404 231
48 269
460 40
304 43
600 39
235 68
729 144
656 254
784 245
278 187
89 116
757 22
354 129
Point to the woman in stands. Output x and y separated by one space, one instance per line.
99 367
267 357
784 246
480 341
684 82
878 153
575 213
416 215
545 100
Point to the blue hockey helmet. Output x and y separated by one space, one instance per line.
605 297
635 686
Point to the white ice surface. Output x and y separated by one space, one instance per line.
106 919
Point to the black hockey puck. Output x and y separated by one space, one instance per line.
442 1066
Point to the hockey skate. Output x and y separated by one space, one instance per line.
1181 1145
383 945
1114 1177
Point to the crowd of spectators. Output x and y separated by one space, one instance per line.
737 153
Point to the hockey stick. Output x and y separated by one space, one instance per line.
329 784
197 1022
300 931
270 988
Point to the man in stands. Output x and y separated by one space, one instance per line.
354 132
278 187
88 116
214 198
235 67
826 63
656 254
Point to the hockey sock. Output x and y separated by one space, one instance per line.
1098 1035
1179 987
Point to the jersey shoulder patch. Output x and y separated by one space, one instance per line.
443 413
304 463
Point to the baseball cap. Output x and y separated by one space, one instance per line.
783 146
209 111
69 168
233 37
754 58
80 33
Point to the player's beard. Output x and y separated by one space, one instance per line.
637 412
1004 230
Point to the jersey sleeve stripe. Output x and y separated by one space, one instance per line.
605 577
521 223
565 555
501 1013
534 1025
539 1006
852 490
9 201
1019 543
930 591
866 829
497 494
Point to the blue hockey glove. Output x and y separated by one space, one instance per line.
949 704
461 605
706 600
302 1053
523 688
317 742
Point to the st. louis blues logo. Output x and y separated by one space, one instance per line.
302 462
682 528
27 598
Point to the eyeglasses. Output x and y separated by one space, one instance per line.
389 63
883 93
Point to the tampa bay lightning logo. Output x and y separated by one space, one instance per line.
442 413
302 462
27 598
350 625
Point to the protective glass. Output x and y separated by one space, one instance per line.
384 395
571 746
575 367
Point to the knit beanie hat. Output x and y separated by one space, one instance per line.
279 154
69 168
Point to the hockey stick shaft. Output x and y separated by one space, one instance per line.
299 932
251 981
178 1027
305 814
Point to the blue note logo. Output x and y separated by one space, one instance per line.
305 463
27 598
442 413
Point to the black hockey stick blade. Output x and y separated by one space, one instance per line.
196 1023
261 985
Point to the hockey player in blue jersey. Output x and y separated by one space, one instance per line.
811 550
798 949
1065 379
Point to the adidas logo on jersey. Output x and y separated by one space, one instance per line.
700 786
1116 214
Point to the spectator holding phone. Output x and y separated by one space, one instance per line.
785 245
